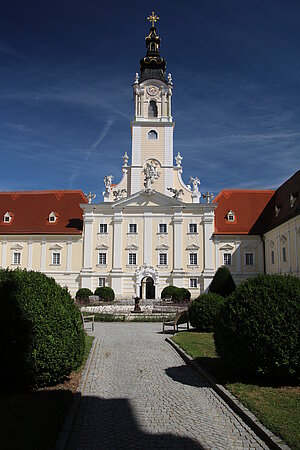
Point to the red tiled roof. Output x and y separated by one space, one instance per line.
247 206
30 212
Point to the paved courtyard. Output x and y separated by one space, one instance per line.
139 394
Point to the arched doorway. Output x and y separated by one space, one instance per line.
147 288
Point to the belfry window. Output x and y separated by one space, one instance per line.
152 134
152 110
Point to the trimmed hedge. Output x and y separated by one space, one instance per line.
41 334
105 293
258 328
222 283
204 310
178 294
82 295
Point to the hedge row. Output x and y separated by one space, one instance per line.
105 293
177 294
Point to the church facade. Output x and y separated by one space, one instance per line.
152 230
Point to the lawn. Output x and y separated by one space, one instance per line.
33 420
278 408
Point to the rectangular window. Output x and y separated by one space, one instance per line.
101 282
103 228
162 227
249 259
56 259
227 259
102 259
193 282
193 259
192 228
272 257
17 258
163 260
283 254
132 259
132 228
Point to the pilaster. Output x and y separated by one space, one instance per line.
29 260
208 229
147 260
43 254
69 254
4 251
88 241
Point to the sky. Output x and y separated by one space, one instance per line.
66 74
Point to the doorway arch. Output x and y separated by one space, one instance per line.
147 288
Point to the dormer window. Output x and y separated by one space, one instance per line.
230 216
52 217
293 198
152 134
7 218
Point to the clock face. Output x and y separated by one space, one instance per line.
152 90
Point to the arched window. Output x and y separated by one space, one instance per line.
152 134
152 47
152 111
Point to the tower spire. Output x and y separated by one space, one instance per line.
153 66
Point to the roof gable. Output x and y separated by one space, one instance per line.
141 199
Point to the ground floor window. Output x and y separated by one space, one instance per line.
193 259
101 282
193 282
283 254
132 259
17 258
272 257
227 259
56 259
163 259
249 259
102 259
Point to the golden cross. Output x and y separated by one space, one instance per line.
153 18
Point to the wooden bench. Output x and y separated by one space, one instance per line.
88 320
180 318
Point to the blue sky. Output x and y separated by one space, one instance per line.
66 75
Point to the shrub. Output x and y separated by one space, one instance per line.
105 293
181 295
41 338
168 291
82 295
222 283
204 310
177 294
258 328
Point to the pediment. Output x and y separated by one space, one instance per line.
17 247
162 247
102 247
141 199
227 247
193 247
56 247
132 247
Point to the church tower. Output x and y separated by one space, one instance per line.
152 126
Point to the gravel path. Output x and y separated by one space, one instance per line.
139 394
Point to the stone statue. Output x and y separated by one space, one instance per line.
170 79
176 192
178 159
209 196
195 182
90 197
151 174
125 159
136 78
107 183
119 194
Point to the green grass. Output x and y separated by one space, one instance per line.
278 408
33 420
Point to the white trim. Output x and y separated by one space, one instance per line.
147 238
30 252
69 254
43 254
4 251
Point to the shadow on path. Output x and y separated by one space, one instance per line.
183 374
112 424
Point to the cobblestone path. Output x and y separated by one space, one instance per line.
139 394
